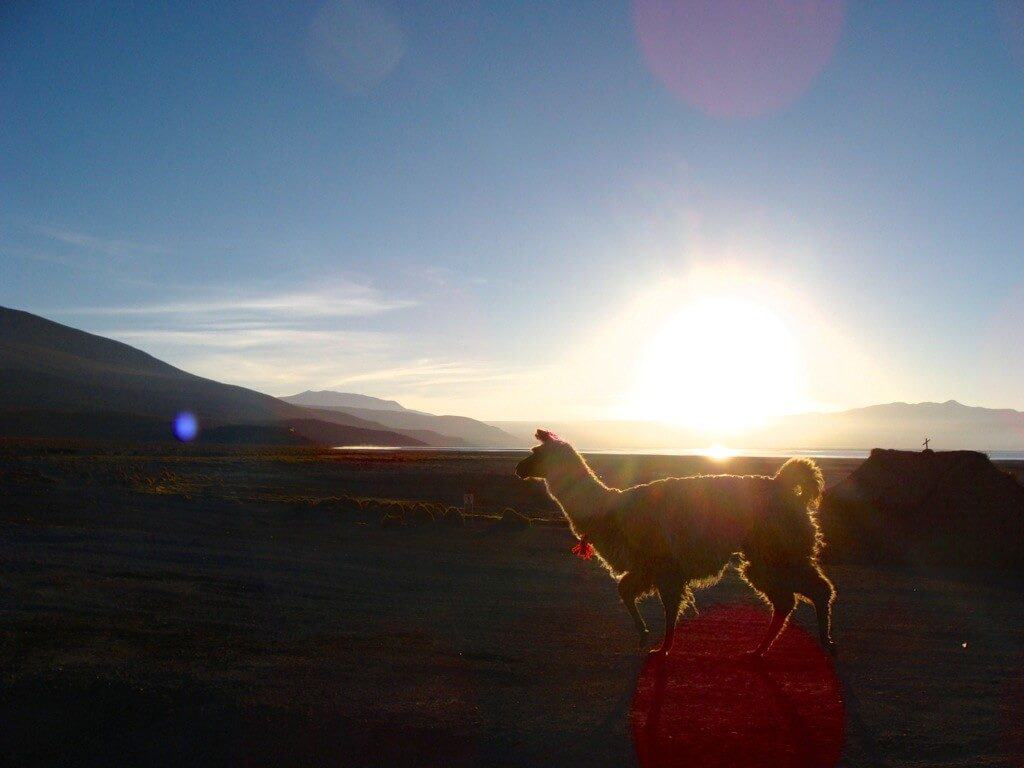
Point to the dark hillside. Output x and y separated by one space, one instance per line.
57 381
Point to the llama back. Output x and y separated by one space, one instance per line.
701 520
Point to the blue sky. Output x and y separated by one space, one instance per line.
491 209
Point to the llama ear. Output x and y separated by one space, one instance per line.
546 437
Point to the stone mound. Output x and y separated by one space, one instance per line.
951 508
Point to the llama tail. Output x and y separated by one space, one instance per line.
802 477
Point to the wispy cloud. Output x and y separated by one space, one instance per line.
425 373
41 256
331 335
104 245
89 265
340 300
298 338
439 276
268 359
254 338
122 261
283 361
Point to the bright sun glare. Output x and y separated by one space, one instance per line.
718 452
721 364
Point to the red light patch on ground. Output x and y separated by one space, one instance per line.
706 706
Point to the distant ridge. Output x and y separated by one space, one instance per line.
326 398
460 431
950 425
900 425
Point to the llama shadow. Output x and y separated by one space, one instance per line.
734 712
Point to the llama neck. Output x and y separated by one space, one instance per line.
580 494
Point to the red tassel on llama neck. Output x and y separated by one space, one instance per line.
583 549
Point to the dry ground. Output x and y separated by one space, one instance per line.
158 607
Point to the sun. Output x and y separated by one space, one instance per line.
718 452
719 364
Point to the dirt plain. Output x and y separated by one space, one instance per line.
176 605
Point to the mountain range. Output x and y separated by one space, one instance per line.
326 398
949 425
417 423
57 381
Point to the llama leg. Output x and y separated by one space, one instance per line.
819 590
782 606
630 589
671 591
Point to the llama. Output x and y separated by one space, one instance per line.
673 535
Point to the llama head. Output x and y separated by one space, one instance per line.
546 458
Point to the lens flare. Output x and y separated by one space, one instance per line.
186 427
1010 14
356 43
738 58
707 705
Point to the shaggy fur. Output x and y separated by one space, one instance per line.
669 536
